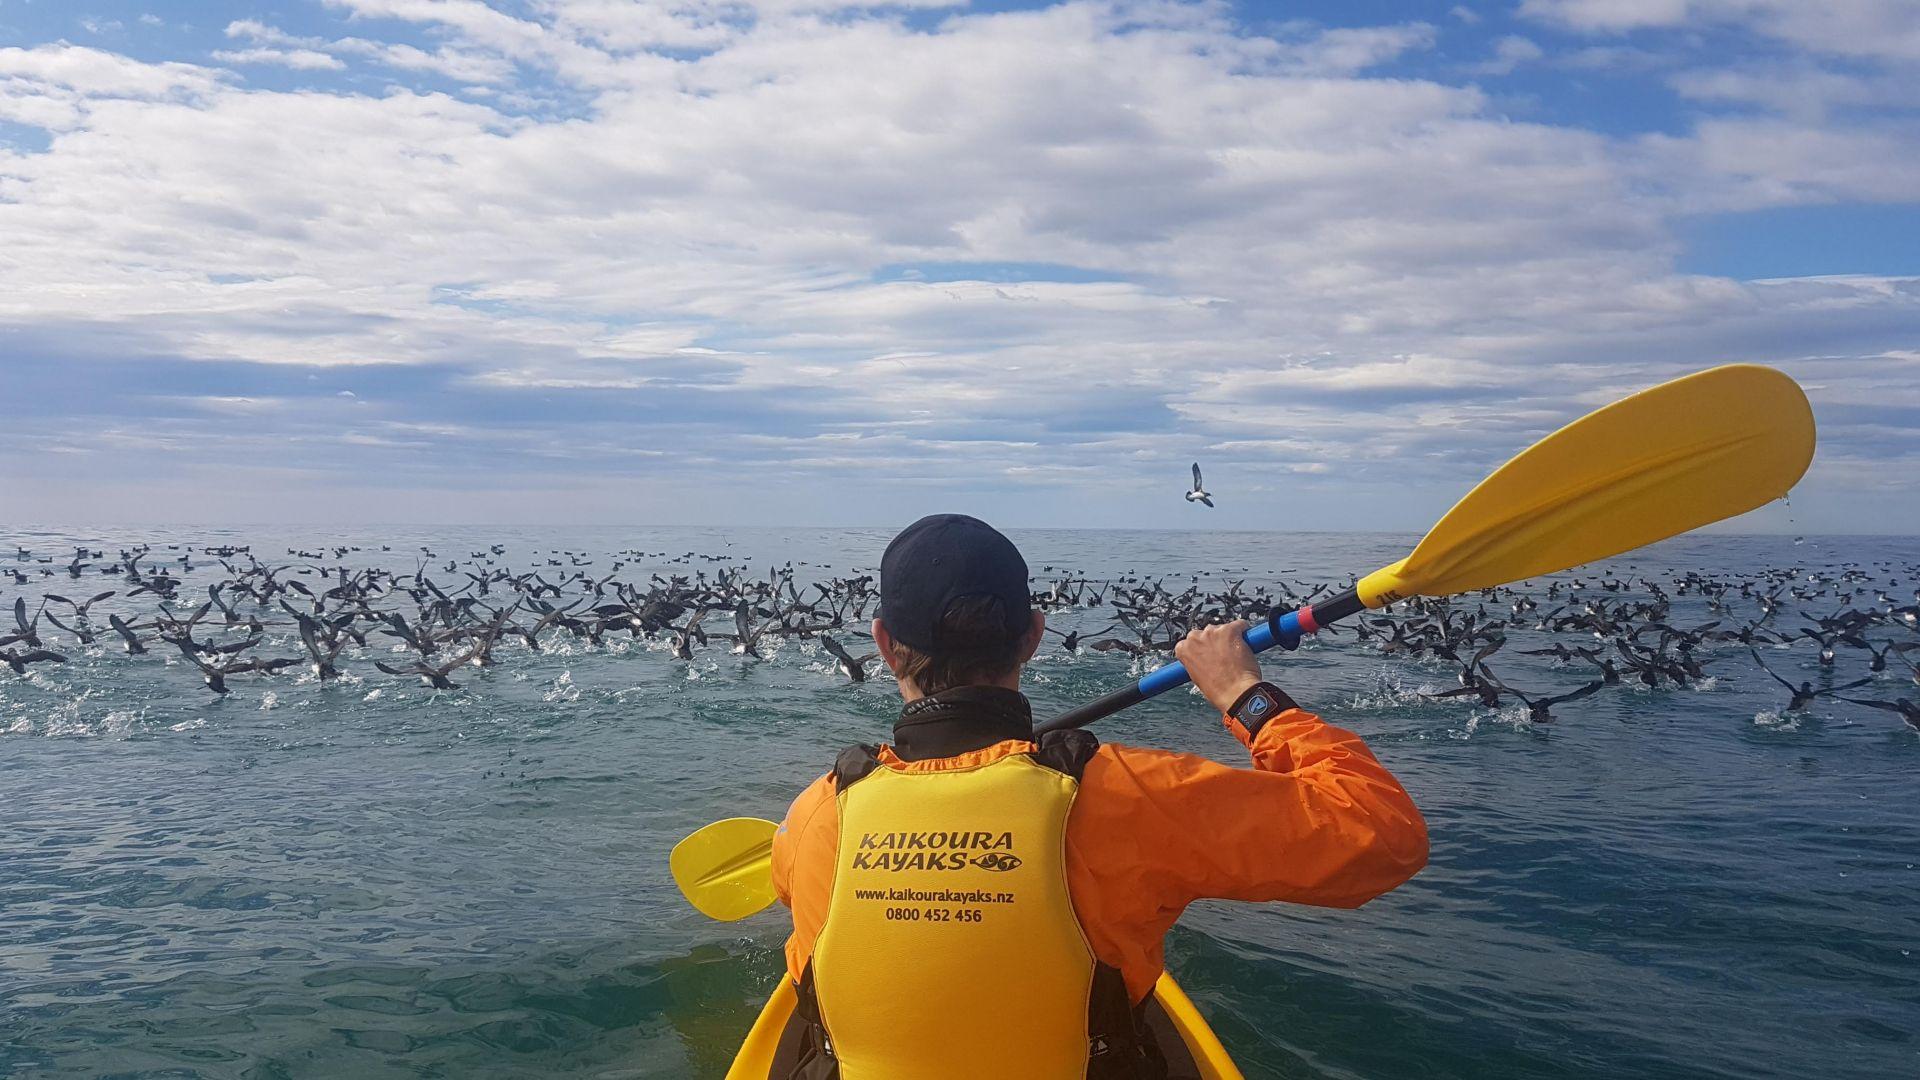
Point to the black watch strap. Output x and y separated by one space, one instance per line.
1260 703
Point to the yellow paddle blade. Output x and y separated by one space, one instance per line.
726 869
1681 455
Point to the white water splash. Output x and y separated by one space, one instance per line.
563 689
1510 719
1390 691
119 723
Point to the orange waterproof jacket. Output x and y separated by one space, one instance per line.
1316 820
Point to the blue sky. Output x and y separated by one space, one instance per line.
800 261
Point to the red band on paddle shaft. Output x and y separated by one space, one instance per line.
1307 625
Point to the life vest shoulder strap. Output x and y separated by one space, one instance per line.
1066 752
853 765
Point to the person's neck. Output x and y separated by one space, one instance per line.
910 693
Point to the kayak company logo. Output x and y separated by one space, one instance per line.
898 851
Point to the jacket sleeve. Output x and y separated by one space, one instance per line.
1316 820
790 839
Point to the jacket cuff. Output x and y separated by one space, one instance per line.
1260 703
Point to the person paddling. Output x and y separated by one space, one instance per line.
969 902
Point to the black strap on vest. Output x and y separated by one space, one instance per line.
1062 751
853 765
804 1052
1121 1042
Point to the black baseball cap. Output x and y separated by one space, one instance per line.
944 558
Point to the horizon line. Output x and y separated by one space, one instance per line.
1704 532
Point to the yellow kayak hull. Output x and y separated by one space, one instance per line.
755 1059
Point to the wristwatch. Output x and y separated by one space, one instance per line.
1260 703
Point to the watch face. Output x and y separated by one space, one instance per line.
1258 706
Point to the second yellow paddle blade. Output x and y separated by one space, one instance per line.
726 869
1684 454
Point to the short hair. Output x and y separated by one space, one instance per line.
972 647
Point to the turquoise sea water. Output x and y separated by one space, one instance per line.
371 879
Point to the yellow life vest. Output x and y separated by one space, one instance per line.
950 949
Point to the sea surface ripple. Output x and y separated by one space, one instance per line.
372 879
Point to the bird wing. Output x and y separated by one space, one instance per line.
308 634
186 650
1763 667
1197 486
1870 703
1576 695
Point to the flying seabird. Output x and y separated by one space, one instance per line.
1804 694
1199 493
854 667
18 661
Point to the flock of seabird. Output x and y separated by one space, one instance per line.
450 614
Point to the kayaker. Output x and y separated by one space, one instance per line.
968 903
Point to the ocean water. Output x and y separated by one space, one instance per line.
373 879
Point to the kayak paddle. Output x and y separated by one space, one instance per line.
1687 453
726 869
1684 454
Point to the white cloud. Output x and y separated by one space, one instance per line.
1610 15
97 73
1865 28
1346 50
1381 269
453 64
1509 52
1748 163
56 87
298 59
238 406
257 31
1802 90
317 52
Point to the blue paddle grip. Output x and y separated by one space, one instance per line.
1283 631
